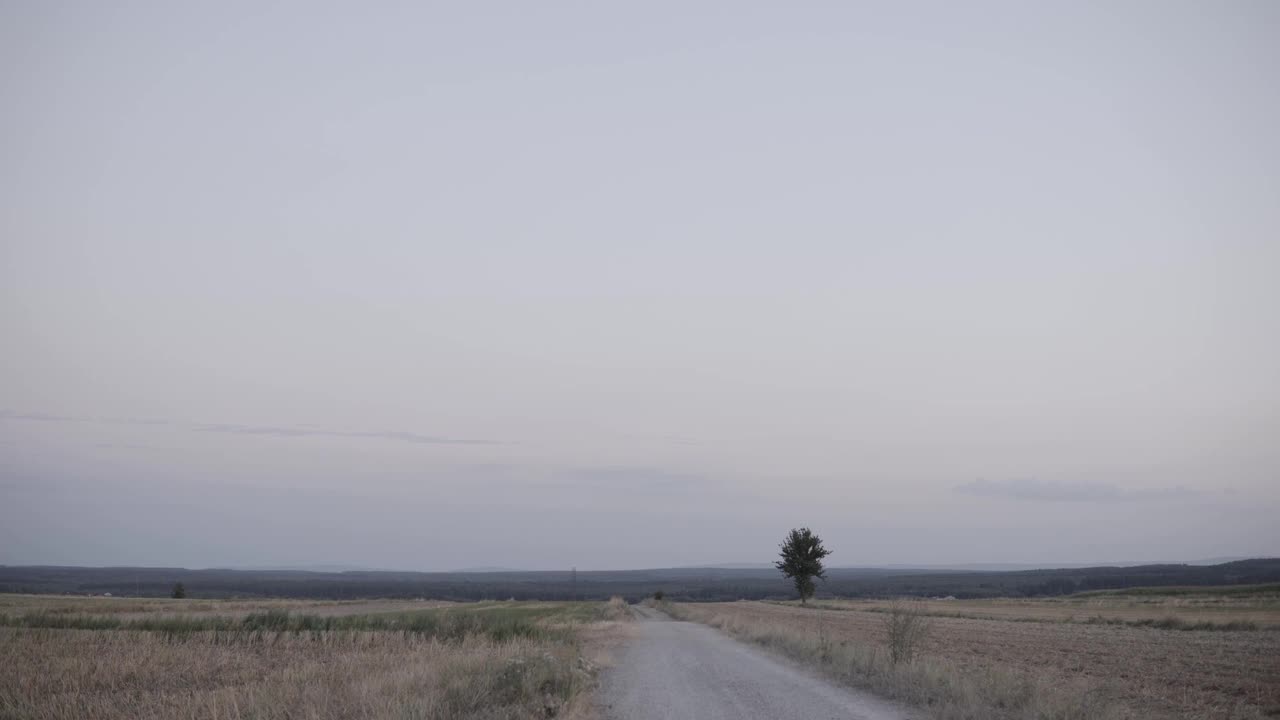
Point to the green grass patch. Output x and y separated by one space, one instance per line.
1264 589
496 621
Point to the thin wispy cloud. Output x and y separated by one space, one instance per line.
281 431
630 485
1051 491
626 475
37 417
50 417
310 431
665 438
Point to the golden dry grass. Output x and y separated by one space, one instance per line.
120 673
149 607
992 668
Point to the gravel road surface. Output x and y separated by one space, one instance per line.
681 671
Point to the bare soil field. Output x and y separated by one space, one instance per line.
1139 671
286 659
1204 610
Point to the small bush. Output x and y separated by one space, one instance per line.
616 609
907 629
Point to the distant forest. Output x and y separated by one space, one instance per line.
689 584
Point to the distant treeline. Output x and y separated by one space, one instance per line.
695 584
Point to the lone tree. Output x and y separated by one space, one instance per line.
178 592
802 554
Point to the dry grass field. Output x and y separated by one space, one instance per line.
102 658
156 607
1251 608
1040 658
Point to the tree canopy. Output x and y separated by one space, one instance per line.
802 554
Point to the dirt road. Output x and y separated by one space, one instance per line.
677 670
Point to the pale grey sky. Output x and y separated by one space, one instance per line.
542 284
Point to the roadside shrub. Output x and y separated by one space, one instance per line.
907 627
616 609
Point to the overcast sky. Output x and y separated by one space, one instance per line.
542 285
